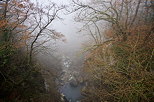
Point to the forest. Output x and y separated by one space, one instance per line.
115 62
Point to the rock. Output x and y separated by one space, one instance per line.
73 83
63 98
83 89
80 80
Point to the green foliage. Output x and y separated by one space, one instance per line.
18 78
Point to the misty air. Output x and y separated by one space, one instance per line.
76 50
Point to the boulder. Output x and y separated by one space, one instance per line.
63 98
73 82
80 80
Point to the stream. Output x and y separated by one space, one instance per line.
71 81
72 94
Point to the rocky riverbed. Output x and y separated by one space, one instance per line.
71 82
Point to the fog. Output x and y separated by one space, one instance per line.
67 57
76 50
68 27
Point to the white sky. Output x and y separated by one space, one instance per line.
68 27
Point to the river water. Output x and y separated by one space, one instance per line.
71 74
73 94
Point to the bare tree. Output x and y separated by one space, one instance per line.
117 13
43 19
